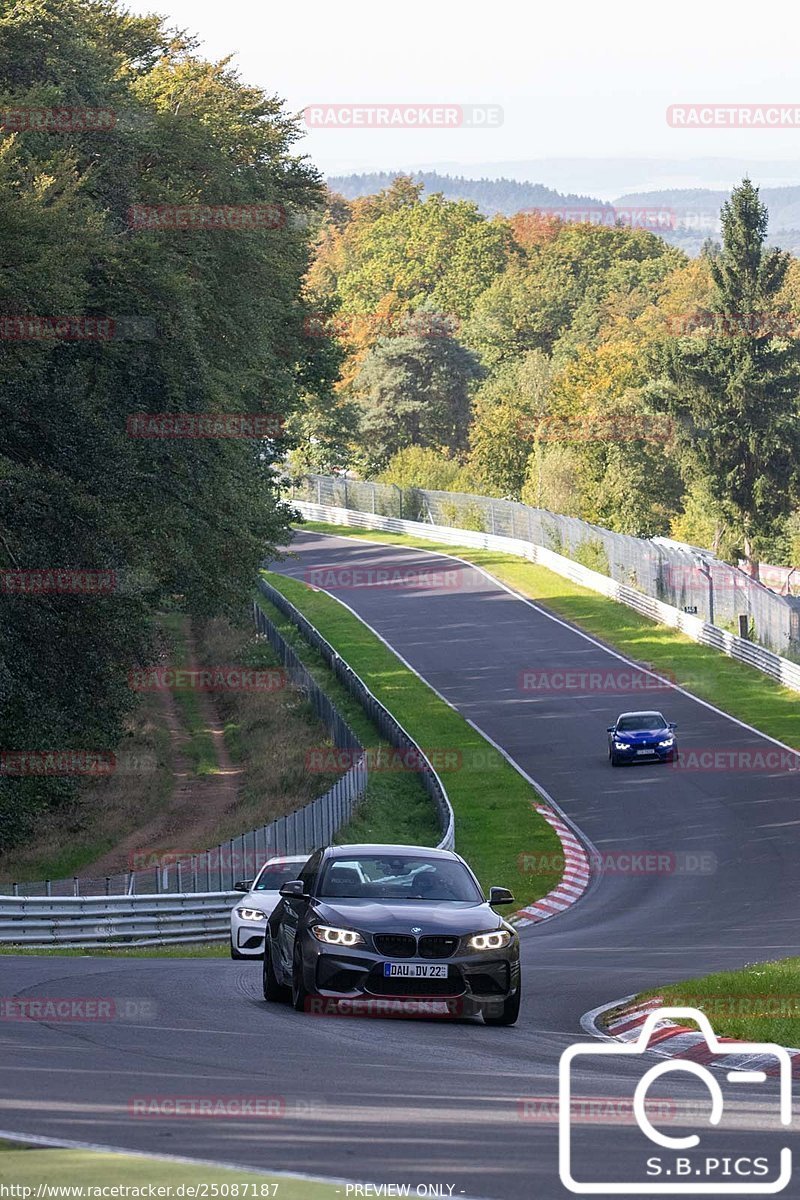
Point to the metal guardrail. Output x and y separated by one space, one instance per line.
390 728
781 669
116 920
693 581
137 919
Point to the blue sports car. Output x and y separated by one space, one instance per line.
641 737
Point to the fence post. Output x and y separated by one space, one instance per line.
76 888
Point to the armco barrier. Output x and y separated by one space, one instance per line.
391 729
204 916
692 580
782 669
115 920
240 857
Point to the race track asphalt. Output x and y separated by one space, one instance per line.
457 1104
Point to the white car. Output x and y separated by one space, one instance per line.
249 915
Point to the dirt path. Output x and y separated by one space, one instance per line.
197 806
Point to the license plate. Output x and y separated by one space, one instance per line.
414 971
645 751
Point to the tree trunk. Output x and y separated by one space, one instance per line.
751 562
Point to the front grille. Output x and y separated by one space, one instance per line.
379 985
395 945
437 946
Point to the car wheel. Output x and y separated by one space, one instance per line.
615 762
508 1013
236 953
299 993
273 990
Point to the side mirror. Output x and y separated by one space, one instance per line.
293 889
243 885
673 724
610 728
500 895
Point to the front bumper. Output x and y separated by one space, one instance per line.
475 980
248 936
645 753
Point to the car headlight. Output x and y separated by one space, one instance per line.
251 914
622 745
490 941
332 936
667 742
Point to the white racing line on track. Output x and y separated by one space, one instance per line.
576 845
550 617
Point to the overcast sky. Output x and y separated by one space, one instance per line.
574 78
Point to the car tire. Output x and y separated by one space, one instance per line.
237 954
509 1012
615 762
274 991
299 994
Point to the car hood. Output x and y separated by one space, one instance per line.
445 916
266 901
643 735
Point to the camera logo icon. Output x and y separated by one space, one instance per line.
685 1164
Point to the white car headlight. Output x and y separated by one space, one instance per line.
251 914
667 742
490 941
621 745
336 937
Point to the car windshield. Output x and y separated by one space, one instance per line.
398 877
274 874
638 721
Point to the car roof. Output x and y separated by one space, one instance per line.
286 858
645 712
384 848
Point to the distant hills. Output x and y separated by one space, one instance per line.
685 217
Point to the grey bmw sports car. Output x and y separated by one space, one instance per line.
392 922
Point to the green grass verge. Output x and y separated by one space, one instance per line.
88 1168
396 807
732 686
760 1003
496 824
201 950
200 746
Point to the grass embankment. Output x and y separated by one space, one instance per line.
87 1168
72 838
495 820
760 1003
201 950
268 733
732 686
396 807
191 710
148 801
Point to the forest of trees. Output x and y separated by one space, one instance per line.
196 320
590 369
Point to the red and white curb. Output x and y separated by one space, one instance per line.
670 1040
574 881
